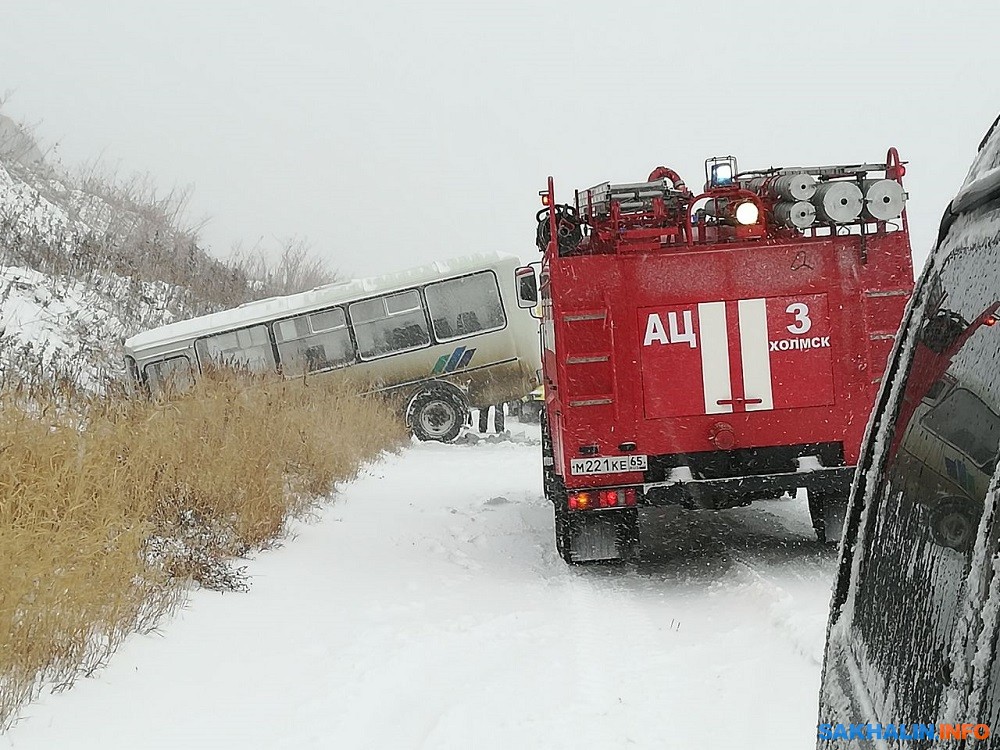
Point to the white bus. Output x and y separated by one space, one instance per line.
446 337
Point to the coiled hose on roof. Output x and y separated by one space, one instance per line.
569 232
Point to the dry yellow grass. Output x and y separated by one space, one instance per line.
106 508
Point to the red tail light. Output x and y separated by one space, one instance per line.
609 498
602 499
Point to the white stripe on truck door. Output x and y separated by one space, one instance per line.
754 352
715 357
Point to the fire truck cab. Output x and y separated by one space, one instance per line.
713 349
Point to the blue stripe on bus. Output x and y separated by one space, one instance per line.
466 358
455 357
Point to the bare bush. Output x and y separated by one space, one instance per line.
296 268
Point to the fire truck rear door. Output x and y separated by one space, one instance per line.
724 356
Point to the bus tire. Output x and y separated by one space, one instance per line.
437 415
954 522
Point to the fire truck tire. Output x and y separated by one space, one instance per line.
564 539
437 415
828 512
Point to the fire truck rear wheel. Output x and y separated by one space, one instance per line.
437 415
563 536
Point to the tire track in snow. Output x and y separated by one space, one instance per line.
784 614
763 547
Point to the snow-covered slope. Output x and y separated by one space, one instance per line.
80 270
73 327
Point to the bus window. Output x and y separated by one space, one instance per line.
247 347
460 307
314 342
169 374
386 325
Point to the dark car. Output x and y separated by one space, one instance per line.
911 657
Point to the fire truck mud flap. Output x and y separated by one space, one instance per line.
608 536
828 512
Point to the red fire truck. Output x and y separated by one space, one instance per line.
714 349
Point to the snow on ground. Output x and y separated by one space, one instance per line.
426 608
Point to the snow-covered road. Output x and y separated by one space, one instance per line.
426 608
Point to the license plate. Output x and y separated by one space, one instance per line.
607 465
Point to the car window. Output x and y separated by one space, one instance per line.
172 374
966 423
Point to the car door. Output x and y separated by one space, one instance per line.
912 628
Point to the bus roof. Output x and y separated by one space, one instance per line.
259 311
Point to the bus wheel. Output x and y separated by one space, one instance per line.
954 522
436 416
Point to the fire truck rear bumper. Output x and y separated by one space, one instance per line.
730 492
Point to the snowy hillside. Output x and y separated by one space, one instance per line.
85 262
71 327
103 530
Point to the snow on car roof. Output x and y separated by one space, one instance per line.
258 311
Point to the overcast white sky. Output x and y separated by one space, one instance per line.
392 133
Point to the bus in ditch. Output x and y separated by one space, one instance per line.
443 338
